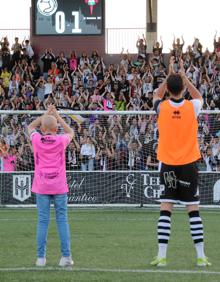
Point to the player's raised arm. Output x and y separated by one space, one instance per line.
67 129
193 91
160 92
34 124
37 122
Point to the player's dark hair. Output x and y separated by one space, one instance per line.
175 84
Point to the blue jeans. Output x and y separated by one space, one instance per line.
43 206
88 165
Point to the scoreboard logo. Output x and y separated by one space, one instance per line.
91 4
47 7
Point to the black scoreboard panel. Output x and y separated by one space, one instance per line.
68 17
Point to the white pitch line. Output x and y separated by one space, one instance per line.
112 270
79 219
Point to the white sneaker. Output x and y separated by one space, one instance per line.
66 261
41 262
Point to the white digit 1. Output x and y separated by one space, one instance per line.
76 22
60 22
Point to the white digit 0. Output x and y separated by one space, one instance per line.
60 22
76 21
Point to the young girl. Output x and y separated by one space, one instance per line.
9 160
50 183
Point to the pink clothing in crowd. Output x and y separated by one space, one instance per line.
9 163
108 105
50 163
73 64
96 98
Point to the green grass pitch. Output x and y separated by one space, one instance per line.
107 245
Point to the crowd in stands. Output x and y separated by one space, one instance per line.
85 82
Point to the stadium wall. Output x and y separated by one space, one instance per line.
68 43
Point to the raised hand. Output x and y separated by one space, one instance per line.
181 70
50 110
171 63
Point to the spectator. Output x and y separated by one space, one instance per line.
3 152
47 59
9 160
54 71
158 49
95 58
5 53
87 155
16 48
141 45
28 49
125 61
48 87
134 127
102 157
135 158
197 49
61 61
73 64
5 75
147 85
73 155
120 102
152 162
216 44
40 89
212 162
83 59
177 47
108 101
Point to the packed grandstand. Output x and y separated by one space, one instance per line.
85 82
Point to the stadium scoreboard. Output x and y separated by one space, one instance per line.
68 17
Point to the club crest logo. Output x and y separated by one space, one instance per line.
47 7
21 187
91 4
128 186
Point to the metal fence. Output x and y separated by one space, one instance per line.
115 38
21 33
118 38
